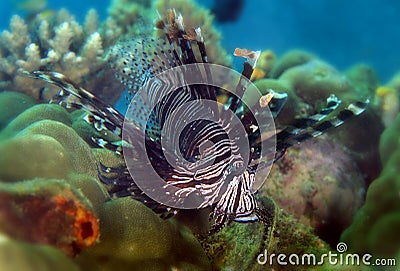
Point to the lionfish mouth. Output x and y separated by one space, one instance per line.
177 140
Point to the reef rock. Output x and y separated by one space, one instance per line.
324 192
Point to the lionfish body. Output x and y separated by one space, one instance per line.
217 171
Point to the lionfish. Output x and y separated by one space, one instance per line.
222 175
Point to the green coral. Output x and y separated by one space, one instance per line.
27 157
290 59
78 151
129 14
12 104
21 256
133 235
40 151
34 114
238 246
309 81
364 79
375 226
316 80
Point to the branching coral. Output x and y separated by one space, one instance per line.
61 44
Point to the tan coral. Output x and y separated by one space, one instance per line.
61 44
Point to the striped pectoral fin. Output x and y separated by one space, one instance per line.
101 116
302 123
73 96
292 136
353 109
88 101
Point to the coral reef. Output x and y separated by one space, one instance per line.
315 80
57 214
374 229
289 60
387 100
324 192
21 256
12 104
58 43
363 79
134 237
49 173
308 81
316 190
49 163
238 246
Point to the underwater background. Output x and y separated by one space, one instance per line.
342 188
342 32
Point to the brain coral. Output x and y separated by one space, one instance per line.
48 178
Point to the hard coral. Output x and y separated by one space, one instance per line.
48 212
289 60
315 80
58 44
12 104
375 227
308 81
49 172
317 191
239 246
22 256
133 235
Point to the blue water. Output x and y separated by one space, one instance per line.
339 31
